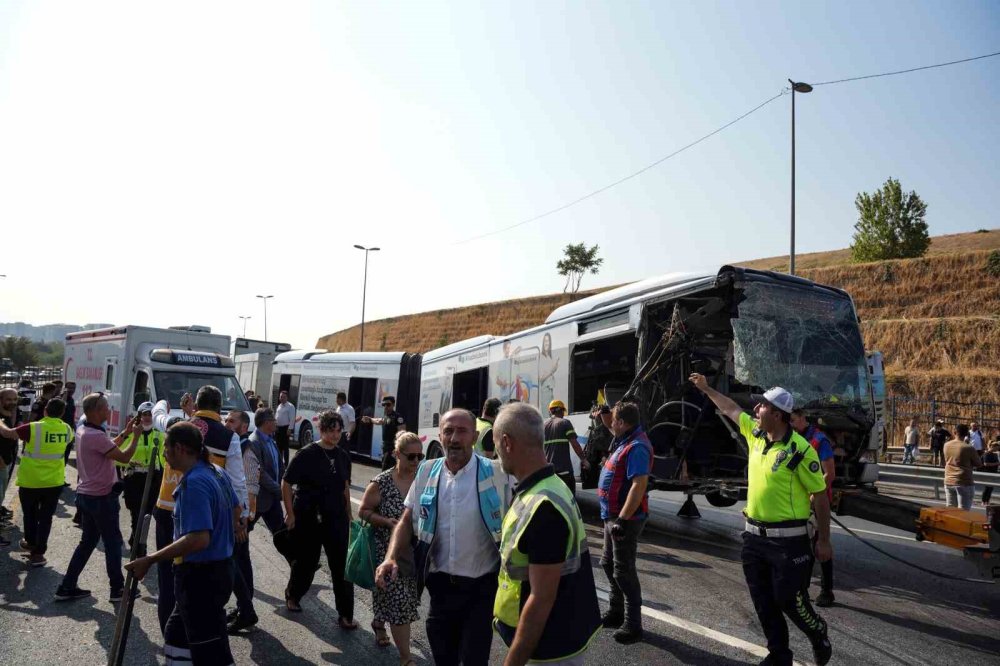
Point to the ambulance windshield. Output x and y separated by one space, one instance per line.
172 385
805 340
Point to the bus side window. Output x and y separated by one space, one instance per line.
109 377
141 393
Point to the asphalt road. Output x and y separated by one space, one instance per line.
696 607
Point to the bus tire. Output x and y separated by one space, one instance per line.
434 450
717 499
305 435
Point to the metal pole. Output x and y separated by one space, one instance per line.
791 254
265 320
364 291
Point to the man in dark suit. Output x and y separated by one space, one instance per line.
266 451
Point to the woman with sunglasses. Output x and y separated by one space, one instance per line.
318 513
382 506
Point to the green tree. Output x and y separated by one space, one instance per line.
50 354
21 351
576 262
890 224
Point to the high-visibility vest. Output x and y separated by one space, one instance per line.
144 449
42 463
483 427
575 617
216 439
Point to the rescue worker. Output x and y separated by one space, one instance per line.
783 471
457 551
484 428
136 470
824 449
205 513
598 445
546 606
41 475
559 436
391 422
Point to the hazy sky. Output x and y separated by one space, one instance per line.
163 163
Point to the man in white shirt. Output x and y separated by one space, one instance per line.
976 437
347 413
463 559
284 416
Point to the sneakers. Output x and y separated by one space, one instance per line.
822 651
241 622
612 620
116 595
70 594
232 615
825 599
629 635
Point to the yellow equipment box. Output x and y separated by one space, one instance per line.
952 527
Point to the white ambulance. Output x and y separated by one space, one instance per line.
133 364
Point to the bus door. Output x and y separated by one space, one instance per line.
470 389
361 393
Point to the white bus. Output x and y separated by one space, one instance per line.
746 330
313 379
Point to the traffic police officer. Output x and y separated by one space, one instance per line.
142 463
783 471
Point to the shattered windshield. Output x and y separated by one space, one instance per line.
803 340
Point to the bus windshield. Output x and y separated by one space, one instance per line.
806 341
172 385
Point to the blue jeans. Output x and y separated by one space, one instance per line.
910 452
99 520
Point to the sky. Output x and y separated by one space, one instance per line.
164 163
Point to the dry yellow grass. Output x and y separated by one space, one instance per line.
936 319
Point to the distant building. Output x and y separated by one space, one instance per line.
47 333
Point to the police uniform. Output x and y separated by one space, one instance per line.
135 473
777 555
391 423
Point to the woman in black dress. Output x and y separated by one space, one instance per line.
318 513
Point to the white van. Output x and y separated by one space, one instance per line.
313 379
133 364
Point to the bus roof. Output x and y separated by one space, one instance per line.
457 347
622 295
323 356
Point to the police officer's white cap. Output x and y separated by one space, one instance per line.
778 397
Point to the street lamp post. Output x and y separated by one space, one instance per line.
265 313
245 323
796 88
364 291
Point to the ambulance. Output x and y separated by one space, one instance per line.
133 364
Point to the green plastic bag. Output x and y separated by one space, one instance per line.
360 567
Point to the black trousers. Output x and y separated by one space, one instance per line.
331 536
38 506
569 480
618 562
196 629
243 579
135 484
388 457
777 572
460 618
281 441
164 569
273 518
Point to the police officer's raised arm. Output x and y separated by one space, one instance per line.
725 404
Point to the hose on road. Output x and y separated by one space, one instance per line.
907 562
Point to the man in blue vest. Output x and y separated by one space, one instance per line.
455 509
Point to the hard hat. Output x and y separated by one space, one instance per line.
144 407
557 404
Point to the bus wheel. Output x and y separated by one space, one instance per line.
719 500
305 435
434 450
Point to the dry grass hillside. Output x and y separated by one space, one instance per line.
936 319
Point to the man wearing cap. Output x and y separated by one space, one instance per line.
939 436
783 472
148 443
559 436
391 422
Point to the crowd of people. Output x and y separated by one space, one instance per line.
491 530
960 454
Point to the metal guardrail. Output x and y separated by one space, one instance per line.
930 478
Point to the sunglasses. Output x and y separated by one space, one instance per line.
413 457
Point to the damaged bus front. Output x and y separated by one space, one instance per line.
748 331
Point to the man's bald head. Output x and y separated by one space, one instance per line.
458 414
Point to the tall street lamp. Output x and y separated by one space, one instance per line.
265 313
364 290
796 88
245 323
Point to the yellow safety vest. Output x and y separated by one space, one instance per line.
575 616
42 463
483 427
144 449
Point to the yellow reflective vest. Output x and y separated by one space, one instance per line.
575 617
42 463
144 449
483 427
